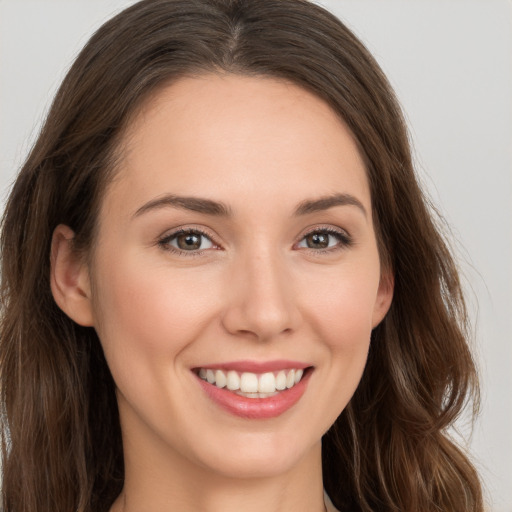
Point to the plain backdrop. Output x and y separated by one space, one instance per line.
450 62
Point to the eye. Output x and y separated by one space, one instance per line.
325 239
187 240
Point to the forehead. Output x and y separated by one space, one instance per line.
236 138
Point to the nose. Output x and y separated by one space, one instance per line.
261 303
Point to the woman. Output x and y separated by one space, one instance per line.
222 287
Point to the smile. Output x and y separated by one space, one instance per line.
252 385
254 390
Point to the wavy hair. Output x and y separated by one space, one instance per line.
389 449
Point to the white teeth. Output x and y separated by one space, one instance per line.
256 395
267 383
281 381
249 383
290 379
233 380
220 379
252 385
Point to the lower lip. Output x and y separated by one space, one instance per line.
256 408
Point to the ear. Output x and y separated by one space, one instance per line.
384 297
69 278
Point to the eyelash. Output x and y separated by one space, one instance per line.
164 242
344 241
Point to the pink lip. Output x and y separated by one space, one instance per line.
257 366
256 408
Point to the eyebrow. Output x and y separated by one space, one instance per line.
219 209
195 204
326 202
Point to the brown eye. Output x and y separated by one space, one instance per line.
325 239
317 240
188 241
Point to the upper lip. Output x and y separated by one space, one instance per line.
256 366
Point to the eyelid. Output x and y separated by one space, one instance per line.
344 238
163 241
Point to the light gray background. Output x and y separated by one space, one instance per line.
450 62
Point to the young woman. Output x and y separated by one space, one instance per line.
222 287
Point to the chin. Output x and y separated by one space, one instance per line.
262 458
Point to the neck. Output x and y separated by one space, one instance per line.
159 481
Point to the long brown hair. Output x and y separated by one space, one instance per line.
389 449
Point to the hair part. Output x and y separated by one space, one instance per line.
389 449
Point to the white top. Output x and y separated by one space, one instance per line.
328 504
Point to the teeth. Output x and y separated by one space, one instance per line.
281 381
267 383
249 383
256 395
290 379
220 379
253 385
233 381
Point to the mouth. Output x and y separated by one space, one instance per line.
252 385
254 394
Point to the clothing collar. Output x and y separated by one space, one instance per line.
328 504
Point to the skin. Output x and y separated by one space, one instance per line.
253 291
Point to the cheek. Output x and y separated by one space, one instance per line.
339 311
344 307
345 331
341 317
145 318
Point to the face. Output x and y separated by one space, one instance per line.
236 256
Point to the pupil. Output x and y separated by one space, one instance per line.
189 242
318 240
